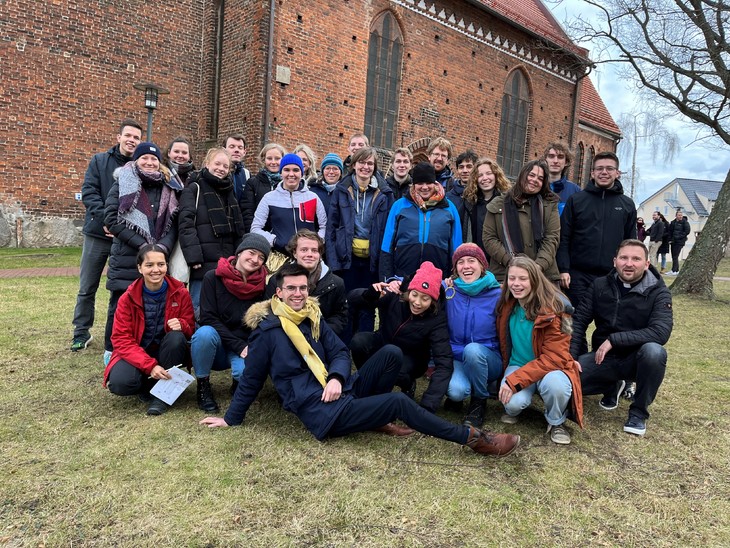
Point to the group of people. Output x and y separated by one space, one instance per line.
663 235
483 287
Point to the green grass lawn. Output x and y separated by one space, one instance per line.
85 468
39 258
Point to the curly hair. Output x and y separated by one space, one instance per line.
472 191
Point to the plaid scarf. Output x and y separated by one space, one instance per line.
220 201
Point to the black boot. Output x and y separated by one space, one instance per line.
475 414
206 401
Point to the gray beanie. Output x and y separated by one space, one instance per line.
255 241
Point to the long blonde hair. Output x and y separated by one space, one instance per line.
543 297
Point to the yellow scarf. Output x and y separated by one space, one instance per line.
290 321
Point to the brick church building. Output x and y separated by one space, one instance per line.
499 77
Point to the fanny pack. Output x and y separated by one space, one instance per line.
361 248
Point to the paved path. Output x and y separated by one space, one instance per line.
74 271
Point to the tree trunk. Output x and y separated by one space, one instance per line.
695 277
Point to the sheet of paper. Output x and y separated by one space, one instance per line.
168 390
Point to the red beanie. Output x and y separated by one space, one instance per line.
427 280
470 250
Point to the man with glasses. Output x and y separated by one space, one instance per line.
439 154
593 224
310 369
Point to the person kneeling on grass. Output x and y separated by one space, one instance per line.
534 336
152 324
310 369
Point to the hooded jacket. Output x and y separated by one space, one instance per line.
271 353
551 346
592 225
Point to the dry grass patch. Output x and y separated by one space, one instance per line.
87 468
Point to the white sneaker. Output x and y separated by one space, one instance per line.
508 419
107 357
559 434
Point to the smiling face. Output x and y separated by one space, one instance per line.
236 149
401 166
486 179
272 160
291 176
469 269
518 282
249 261
556 163
179 153
305 160
605 172
356 143
219 165
630 263
418 302
148 163
425 190
439 157
294 292
364 169
464 169
153 270
307 253
534 180
331 174
128 140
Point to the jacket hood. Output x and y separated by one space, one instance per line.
382 184
617 187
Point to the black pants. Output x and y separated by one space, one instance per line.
358 276
676 250
646 366
365 345
375 405
126 380
114 296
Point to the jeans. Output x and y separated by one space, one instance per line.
664 259
646 366
554 389
375 405
194 288
126 380
93 260
208 353
114 296
471 377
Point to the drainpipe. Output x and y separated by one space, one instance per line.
267 76
220 16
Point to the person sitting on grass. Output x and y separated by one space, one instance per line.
152 324
534 336
310 369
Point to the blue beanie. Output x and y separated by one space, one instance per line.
290 159
146 148
332 159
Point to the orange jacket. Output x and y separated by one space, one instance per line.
551 346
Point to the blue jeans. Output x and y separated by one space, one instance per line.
93 260
208 353
481 366
194 288
555 390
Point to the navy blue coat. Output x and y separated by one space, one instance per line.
271 353
341 224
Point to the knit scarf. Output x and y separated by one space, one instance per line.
511 224
488 281
181 171
273 178
220 201
436 197
135 210
243 289
290 321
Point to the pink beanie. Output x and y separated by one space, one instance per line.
427 280
470 250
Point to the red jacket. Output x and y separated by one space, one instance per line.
129 323
551 346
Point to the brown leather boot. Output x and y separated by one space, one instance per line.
489 443
392 429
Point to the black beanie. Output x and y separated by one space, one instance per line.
423 173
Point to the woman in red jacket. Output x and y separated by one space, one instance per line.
152 324
534 337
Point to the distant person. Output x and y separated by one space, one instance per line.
310 369
679 229
656 233
559 158
152 325
400 178
632 311
641 229
98 180
664 248
178 159
593 224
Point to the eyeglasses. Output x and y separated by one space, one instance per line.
331 168
296 288
607 169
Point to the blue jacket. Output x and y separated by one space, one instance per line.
564 189
341 223
271 353
472 319
413 236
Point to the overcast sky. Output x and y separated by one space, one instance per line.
698 160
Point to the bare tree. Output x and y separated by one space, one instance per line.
679 50
639 128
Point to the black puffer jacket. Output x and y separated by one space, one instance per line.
419 337
125 246
256 187
592 225
198 241
641 316
98 180
332 297
678 231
